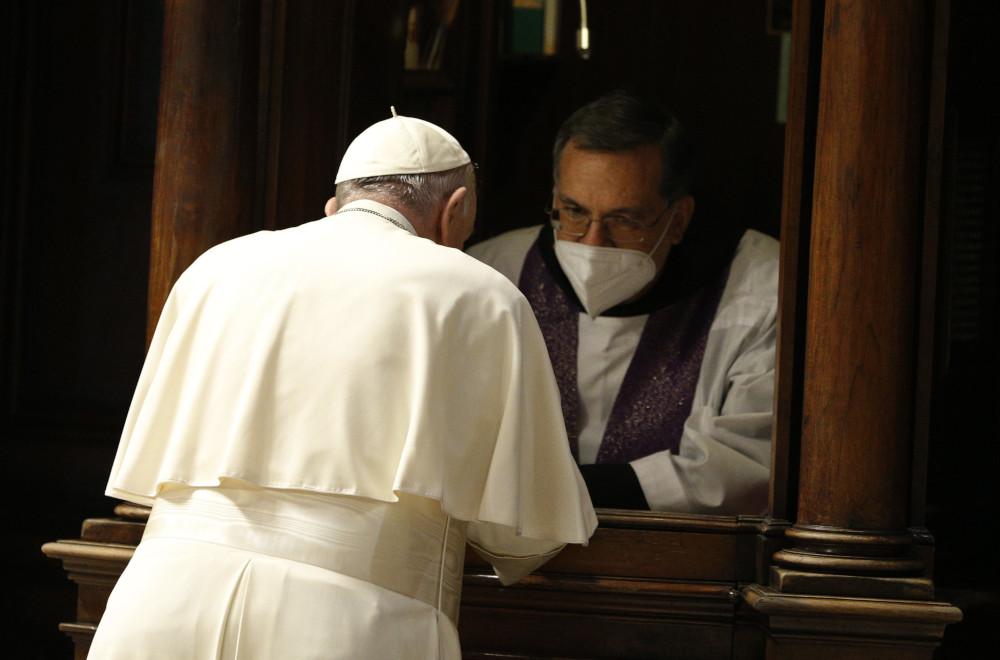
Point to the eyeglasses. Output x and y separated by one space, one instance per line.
476 177
621 229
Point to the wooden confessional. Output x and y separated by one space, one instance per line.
258 100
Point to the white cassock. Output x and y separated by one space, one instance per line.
723 463
325 414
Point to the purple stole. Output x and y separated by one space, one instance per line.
655 397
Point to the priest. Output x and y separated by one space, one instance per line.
662 338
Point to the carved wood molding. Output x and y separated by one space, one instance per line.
587 594
90 558
95 568
799 625
845 562
804 582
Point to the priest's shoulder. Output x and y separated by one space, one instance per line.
756 263
763 245
506 251
509 242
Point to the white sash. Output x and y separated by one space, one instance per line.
411 547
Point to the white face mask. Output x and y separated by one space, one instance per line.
603 276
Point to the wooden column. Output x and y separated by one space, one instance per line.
206 156
863 284
854 575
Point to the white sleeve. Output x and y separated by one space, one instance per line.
513 557
723 464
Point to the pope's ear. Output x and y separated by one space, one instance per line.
331 206
452 228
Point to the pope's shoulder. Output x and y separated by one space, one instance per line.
464 269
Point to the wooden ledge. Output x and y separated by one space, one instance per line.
869 617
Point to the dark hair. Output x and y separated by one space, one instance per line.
618 121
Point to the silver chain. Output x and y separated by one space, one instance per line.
381 215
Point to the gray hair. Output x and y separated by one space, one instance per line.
418 193
619 121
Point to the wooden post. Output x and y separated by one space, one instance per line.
863 283
855 582
206 154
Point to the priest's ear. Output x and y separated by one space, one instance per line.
457 219
331 206
684 212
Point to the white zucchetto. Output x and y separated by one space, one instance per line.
401 145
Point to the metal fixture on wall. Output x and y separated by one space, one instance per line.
583 34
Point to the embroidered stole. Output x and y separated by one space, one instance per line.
655 397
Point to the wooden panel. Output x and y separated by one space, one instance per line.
800 155
549 633
647 585
660 547
961 493
308 111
